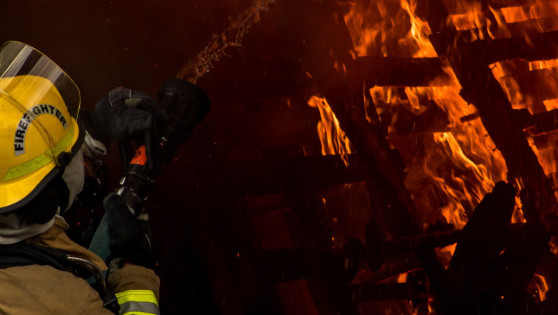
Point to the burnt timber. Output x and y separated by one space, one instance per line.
471 66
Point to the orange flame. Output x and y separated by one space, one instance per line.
542 286
445 254
553 245
450 168
332 137
457 167
490 23
517 215
533 85
543 145
376 27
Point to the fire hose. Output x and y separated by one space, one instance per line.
181 113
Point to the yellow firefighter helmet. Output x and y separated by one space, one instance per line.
39 133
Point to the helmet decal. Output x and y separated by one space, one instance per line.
27 119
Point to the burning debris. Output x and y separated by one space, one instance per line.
431 187
333 139
456 145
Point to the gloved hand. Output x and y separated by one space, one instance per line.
121 114
182 106
130 233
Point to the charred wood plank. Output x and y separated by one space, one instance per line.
295 174
534 47
546 121
384 167
382 292
496 4
381 166
470 63
398 71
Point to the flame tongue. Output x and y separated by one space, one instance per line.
452 162
483 21
384 28
332 137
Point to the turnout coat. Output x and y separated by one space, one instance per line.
35 289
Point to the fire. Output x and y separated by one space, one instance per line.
453 163
482 21
541 285
544 148
332 137
453 168
445 254
529 84
536 11
502 73
420 30
377 27
532 85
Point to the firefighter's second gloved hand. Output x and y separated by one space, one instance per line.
130 234
122 113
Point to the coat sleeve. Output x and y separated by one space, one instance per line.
137 289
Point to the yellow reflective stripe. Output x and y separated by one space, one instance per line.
41 160
136 296
137 313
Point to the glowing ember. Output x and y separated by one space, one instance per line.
543 64
445 254
402 278
543 145
542 286
553 245
515 14
529 84
533 85
332 137
485 22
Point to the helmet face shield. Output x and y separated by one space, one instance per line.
18 59
39 106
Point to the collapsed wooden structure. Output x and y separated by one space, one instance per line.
275 252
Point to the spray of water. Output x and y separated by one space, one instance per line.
230 37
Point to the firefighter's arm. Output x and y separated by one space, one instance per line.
136 288
131 277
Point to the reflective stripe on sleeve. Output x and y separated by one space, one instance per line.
138 302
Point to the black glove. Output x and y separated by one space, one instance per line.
130 233
182 106
122 114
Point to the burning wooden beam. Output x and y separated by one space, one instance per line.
386 71
479 87
391 291
545 121
295 174
535 47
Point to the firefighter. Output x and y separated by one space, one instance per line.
42 143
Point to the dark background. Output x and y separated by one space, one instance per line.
213 208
